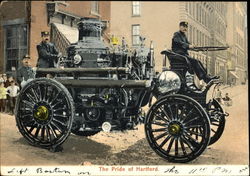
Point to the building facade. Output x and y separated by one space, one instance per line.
210 24
23 21
157 21
237 40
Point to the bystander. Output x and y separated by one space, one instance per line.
12 91
2 97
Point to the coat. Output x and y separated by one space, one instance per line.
24 73
47 54
180 43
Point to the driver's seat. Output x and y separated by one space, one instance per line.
182 65
178 62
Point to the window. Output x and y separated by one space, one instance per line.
95 7
136 8
186 6
190 7
16 45
136 34
190 34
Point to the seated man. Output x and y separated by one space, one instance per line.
180 45
25 72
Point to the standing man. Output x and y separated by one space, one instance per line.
12 91
180 45
25 72
47 52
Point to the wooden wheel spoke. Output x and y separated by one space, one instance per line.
170 145
183 148
57 103
31 129
162 118
188 114
55 98
159 124
43 132
176 146
165 141
29 122
56 126
215 124
170 110
53 131
194 119
161 136
193 142
31 105
37 131
194 126
45 92
48 134
59 122
159 129
176 111
188 143
39 93
166 114
35 94
194 132
31 98
59 109
60 115
213 130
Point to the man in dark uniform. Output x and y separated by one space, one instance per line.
180 45
25 72
47 52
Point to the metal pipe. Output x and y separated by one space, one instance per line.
107 83
84 70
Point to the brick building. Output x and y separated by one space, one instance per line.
23 21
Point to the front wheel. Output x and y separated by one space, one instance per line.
44 113
171 125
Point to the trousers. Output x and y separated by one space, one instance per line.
198 68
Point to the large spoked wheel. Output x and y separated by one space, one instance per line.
44 113
217 119
171 125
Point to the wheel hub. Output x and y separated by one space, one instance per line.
41 113
175 128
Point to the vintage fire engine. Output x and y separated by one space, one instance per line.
100 87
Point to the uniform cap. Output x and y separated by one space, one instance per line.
26 56
44 33
184 23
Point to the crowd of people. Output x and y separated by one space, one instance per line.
9 90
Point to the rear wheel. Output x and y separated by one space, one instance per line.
218 121
44 112
170 128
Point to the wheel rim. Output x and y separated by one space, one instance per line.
218 121
44 112
177 128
